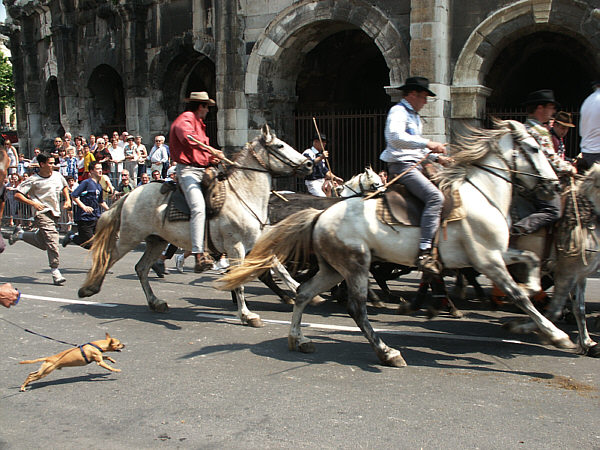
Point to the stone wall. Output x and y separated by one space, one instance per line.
249 54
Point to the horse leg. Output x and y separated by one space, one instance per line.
355 270
460 286
268 280
154 247
280 270
498 273
587 344
323 280
246 316
441 299
420 298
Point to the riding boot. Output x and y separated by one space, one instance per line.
203 262
426 263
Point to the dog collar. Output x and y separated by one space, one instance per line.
83 353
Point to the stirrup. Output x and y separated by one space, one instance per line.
426 263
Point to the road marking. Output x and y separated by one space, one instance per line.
323 326
66 300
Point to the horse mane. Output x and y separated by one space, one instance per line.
469 149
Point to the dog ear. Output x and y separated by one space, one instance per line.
107 336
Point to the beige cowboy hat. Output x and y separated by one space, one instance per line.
200 97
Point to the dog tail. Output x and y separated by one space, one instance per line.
103 246
32 361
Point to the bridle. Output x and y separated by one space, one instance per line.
372 188
273 150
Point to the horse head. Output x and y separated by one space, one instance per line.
370 181
277 156
531 170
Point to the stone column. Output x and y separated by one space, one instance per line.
430 57
231 99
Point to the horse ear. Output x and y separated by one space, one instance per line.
266 131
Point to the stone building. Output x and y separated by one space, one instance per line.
89 66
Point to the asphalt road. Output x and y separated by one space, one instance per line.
196 378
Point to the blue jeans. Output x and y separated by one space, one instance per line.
420 186
189 177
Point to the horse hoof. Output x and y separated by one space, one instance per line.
317 300
457 313
406 308
594 351
564 343
378 304
255 322
307 347
396 361
86 292
287 300
432 313
159 307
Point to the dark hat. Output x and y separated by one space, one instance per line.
541 97
564 118
316 137
417 84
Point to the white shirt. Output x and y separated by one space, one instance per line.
45 191
589 123
117 154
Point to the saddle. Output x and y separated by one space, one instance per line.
213 188
398 206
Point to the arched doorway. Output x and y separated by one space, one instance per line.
50 110
190 72
541 60
107 106
341 83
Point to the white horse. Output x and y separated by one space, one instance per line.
346 237
141 216
361 184
571 269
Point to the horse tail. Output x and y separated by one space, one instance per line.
290 239
103 245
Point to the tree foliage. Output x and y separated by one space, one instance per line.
7 87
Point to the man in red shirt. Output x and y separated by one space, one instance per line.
192 159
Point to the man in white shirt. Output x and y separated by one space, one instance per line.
589 128
159 155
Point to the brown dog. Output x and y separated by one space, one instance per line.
78 356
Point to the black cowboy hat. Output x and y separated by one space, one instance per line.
417 84
541 97
316 137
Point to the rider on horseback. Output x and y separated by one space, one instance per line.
541 106
192 159
405 149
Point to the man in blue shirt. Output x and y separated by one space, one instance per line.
405 148
88 197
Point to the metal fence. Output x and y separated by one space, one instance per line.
355 140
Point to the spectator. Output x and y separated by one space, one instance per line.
589 128
34 166
108 190
102 155
22 165
42 192
124 186
123 139
131 157
144 179
12 155
142 157
159 155
81 163
89 199
68 141
11 203
92 143
156 175
72 185
562 123
58 144
62 161
117 157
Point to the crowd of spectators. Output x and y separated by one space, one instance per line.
126 164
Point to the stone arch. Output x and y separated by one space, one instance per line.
506 25
283 37
107 100
187 72
50 110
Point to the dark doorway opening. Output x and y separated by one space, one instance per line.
107 112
